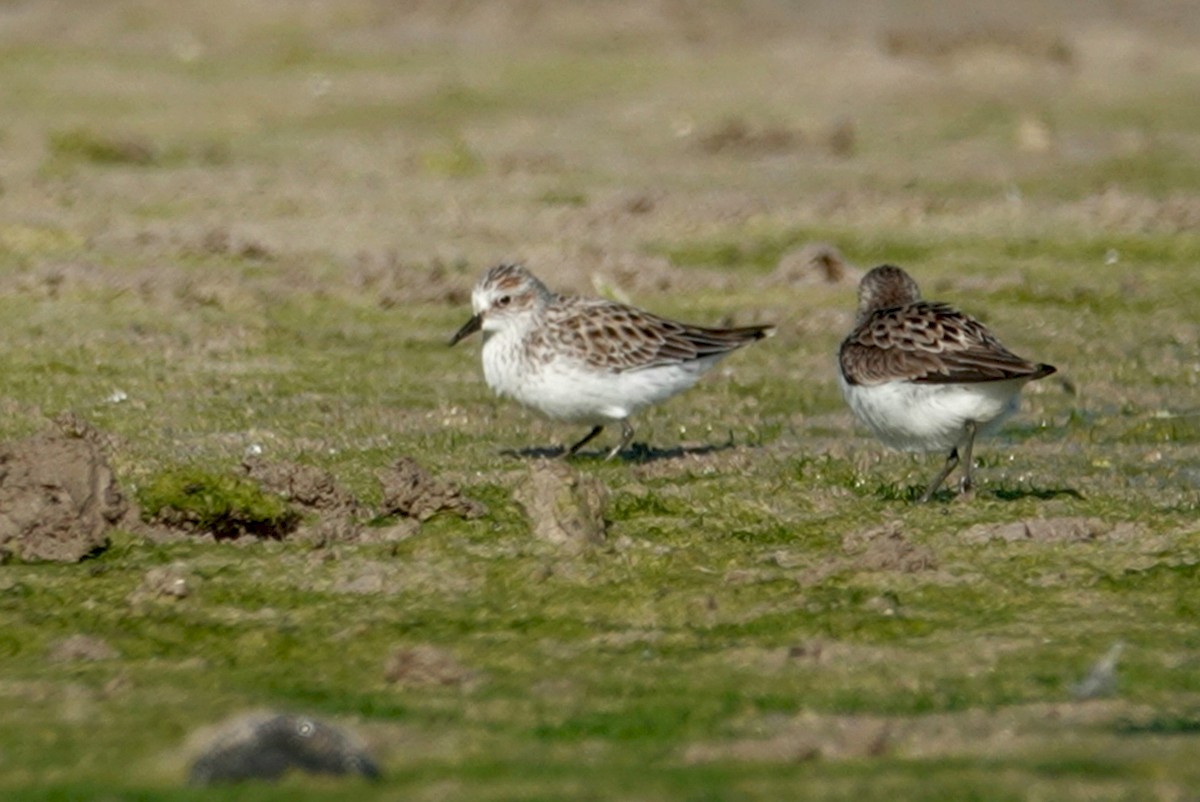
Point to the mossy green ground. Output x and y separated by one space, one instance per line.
225 228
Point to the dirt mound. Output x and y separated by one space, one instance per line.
58 497
337 511
410 490
814 263
427 666
564 506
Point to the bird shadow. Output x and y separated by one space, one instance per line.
638 453
1041 493
913 493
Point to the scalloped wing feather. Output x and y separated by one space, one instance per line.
612 336
929 343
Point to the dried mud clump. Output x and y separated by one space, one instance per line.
1052 530
316 491
564 507
814 263
221 241
306 485
427 666
58 497
735 135
411 491
886 548
267 745
806 737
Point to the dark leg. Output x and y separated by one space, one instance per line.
951 462
626 439
967 484
587 438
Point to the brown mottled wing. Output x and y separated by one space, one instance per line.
616 337
929 343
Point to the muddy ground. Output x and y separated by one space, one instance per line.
241 471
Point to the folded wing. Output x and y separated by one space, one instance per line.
617 337
930 343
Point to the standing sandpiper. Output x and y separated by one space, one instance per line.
924 376
587 360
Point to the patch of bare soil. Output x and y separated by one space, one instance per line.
427 666
809 737
396 281
1115 209
1053 530
938 43
411 491
883 548
80 648
886 548
564 506
267 745
736 135
58 496
1017 730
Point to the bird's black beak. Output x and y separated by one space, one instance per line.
470 327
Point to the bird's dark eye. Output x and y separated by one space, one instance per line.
504 300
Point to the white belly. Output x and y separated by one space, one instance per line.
566 390
930 417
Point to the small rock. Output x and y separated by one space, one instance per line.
266 745
170 582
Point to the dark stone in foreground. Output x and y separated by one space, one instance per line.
265 746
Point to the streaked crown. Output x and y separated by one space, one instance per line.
506 291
